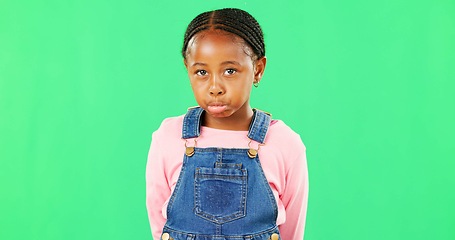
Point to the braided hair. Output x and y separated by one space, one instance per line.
232 20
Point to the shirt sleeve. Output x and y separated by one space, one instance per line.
157 187
295 196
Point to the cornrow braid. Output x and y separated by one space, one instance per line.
231 20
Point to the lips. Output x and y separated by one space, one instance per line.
216 108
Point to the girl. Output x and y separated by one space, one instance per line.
224 170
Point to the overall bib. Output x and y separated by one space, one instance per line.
222 193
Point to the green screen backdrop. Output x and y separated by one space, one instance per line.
369 86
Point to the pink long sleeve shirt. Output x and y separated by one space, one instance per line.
283 159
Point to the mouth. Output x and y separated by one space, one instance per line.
216 108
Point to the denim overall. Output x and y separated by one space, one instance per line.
222 193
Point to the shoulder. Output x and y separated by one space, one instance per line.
170 128
279 132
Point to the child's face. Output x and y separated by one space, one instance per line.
222 73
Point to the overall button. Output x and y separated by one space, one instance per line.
274 237
165 236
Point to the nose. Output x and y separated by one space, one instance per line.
216 92
216 88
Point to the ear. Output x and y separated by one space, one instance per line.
184 63
259 68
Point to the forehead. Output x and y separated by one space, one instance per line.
217 43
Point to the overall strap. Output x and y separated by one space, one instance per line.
192 123
259 125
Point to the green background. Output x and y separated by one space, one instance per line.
369 86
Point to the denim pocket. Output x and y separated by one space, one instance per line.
228 165
220 194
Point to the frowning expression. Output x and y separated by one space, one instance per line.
221 72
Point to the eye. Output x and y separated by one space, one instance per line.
201 72
230 71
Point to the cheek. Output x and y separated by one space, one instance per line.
198 88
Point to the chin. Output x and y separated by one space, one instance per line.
224 114
219 115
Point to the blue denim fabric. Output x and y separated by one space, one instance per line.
222 193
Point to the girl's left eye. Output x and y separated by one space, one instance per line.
230 71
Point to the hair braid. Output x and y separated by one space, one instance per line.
233 20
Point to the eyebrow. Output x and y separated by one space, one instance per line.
230 62
198 64
223 63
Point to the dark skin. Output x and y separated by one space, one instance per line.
222 70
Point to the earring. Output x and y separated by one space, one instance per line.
256 84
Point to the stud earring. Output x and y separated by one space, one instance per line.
256 84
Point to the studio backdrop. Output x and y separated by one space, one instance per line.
368 85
